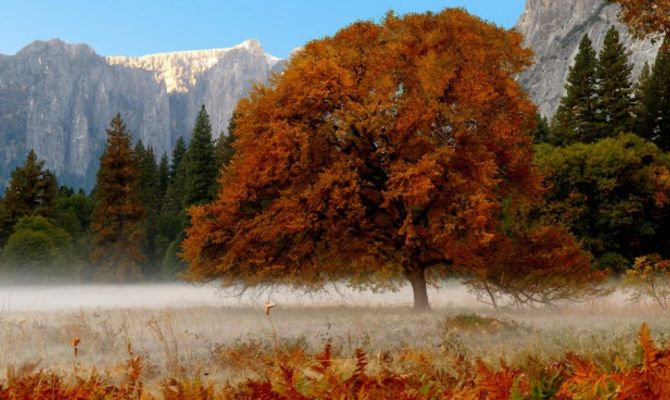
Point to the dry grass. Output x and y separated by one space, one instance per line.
200 349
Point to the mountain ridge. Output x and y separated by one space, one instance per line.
58 98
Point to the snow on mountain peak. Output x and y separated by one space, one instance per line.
180 69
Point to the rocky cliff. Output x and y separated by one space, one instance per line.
554 28
58 98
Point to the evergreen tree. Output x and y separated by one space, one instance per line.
163 175
542 132
151 198
224 145
200 169
73 212
172 219
178 154
641 91
654 107
32 190
576 117
118 217
174 194
615 102
149 179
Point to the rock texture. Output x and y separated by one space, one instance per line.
58 98
554 28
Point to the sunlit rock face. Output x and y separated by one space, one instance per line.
58 98
553 30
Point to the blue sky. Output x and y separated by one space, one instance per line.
136 27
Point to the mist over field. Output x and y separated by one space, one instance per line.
88 297
185 330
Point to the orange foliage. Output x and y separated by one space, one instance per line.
541 265
646 18
383 150
415 375
650 380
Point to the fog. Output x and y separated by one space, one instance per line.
185 324
180 295
451 294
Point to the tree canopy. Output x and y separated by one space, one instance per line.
613 194
383 152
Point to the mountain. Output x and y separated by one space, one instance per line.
553 30
58 98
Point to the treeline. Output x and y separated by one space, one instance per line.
604 155
129 228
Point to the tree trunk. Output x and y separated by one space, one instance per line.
417 277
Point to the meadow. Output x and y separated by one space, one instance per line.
199 342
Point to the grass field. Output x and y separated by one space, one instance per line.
230 340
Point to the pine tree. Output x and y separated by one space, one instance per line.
174 194
149 180
542 132
163 175
201 169
654 119
172 218
118 217
642 88
615 102
32 190
151 198
576 119
224 145
178 154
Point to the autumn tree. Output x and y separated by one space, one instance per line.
646 18
384 152
118 217
32 190
576 117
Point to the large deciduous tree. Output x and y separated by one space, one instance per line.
118 218
383 152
